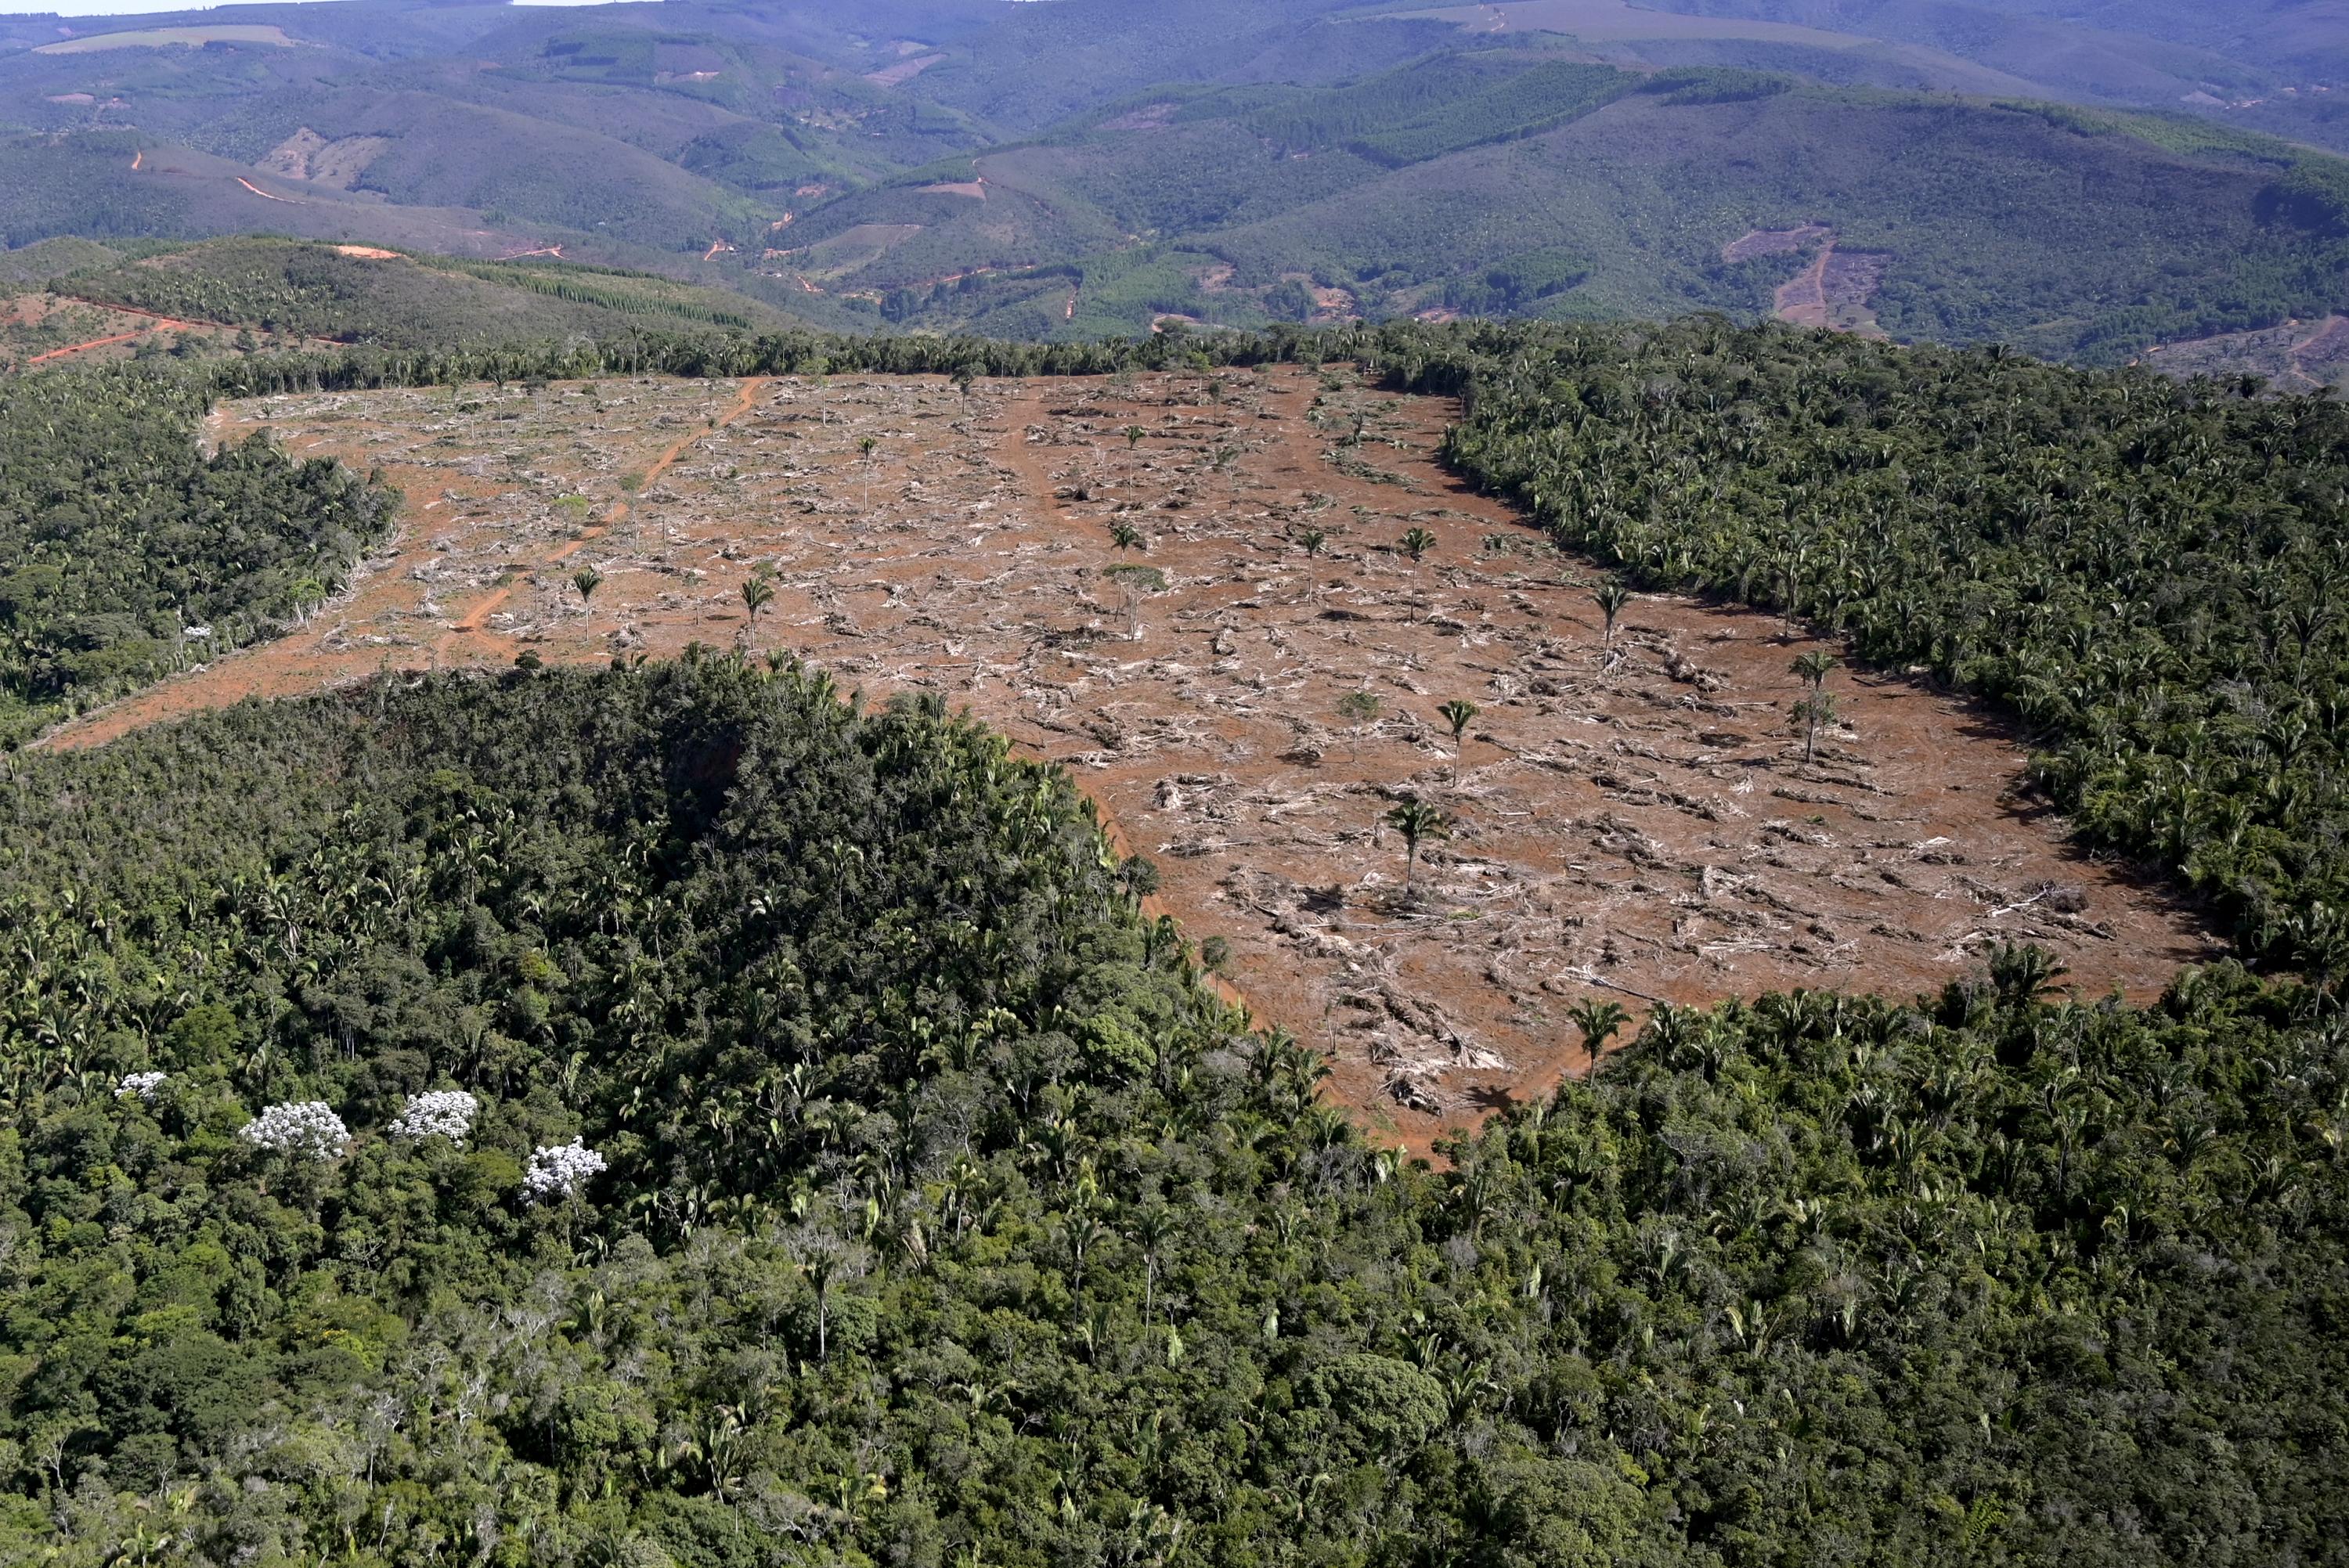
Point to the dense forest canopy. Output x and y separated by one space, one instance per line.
126 552
682 1114
944 1218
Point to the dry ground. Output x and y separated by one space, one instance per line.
2298 357
1834 291
1634 821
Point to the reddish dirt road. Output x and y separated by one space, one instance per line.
1634 820
1803 299
269 196
160 324
156 322
1832 292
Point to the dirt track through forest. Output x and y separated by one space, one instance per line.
109 341
154 322
1632 821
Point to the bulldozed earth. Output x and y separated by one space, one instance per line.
1196 593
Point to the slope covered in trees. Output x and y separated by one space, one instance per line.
125 552
2081 236
399 301
920 1206
942 1217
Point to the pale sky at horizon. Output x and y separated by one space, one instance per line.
84 8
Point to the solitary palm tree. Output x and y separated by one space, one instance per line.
1417 543
1818 706
865 445
1457 713
587 580
757 595
1133 434
1416 821
1154 1227
1611 595
1598 1021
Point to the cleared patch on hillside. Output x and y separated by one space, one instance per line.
904 71
1632 820
2297 356
1775 242
1836 291
306 155
169 37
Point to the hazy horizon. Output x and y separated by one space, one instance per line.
84 8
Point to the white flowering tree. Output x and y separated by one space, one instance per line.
444 1113
559 1171
308 1129
139 1086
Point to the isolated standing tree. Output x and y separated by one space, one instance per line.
1312 539
757 595
1416 544
1611 596
1138 583
866 444
1819 706
1457 713
587 580
1598 1021
1416 821
1133 434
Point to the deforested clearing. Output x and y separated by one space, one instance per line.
1234 608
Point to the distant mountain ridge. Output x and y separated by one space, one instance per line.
2085 180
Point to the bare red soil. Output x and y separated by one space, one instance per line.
1633 821
1833 292
269 195
2297 356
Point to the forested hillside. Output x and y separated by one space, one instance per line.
126 554
409 302
687 1114
670 1117
692 1114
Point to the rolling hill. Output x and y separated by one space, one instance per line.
368 296
2082 185
1504 182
